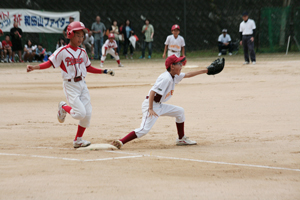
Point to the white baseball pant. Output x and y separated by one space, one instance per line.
160 110
78 97
177 53
109 51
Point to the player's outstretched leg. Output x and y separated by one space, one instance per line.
127 138
61 114
182 139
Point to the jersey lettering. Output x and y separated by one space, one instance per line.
73 61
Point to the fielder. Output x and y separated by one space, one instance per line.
174 43
74 64
110 46
163 89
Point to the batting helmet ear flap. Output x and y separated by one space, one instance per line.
70 34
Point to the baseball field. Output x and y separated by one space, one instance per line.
245 120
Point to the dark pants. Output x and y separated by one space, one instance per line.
149 44
222 46
248 45
126 44
39 57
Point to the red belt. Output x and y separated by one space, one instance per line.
76 79
147 97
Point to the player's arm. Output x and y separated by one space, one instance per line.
44 65
165 50
116 51
95 70
195 73
151 99
183 51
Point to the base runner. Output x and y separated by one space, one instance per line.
163 89
74 64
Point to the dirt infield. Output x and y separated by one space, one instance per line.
245 120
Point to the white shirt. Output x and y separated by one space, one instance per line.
72 61
247 27
30 49
225 39
88 39
110 45
165 85
175 44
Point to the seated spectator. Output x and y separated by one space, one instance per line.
6 45
29 51
40 53
61 42
88 43
224 42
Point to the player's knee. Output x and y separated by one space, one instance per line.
80 115
180 117
141 133
85 122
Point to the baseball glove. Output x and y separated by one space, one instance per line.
216 67
109 72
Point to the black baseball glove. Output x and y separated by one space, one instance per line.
216 67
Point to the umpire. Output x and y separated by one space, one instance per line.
247 33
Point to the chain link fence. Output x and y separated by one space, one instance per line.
201 21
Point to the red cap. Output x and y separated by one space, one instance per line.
111 35
174 59
175 26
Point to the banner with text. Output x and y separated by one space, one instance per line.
34 21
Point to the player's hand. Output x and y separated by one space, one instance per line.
109 72
241 42
152 113
116 53
164 55
30 68
252 39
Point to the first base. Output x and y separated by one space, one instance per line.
95 147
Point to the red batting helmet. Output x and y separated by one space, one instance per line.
175 26
75 26
111 35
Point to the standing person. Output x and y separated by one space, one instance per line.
121 37
71 19
29 51
247 33
163 89
148 32
174 43
74 64
224 42
60 43
88 43
1 48
114 29
98 29
16 35
110 47
7 49
127 31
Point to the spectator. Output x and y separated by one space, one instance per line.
127 31
224 42
40 53
121 36
115 30
88 43
16 35
29 51
60 42
98 29
1 48
148 32
71 19
6 44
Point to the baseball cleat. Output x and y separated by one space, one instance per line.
61 114
117 143
80 143
253 63
101 64
219 54
246 63
185 141
120 65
